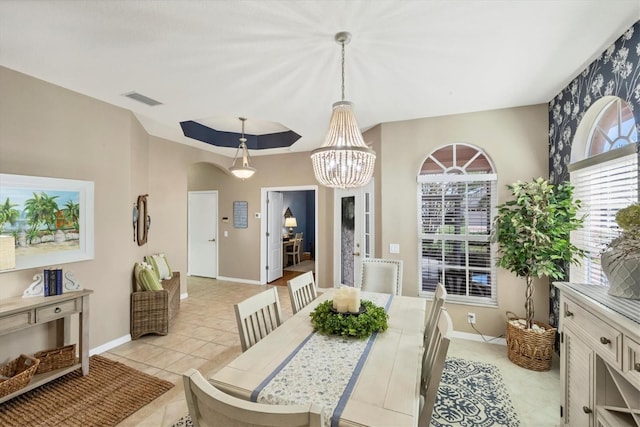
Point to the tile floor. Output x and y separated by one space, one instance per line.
204 336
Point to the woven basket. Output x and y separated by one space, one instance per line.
528 348
56 358
20 371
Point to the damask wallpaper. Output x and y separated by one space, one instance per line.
615 72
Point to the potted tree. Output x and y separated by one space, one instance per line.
532 231
621 258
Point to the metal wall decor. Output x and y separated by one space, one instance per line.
141 220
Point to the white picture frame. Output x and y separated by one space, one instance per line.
44 240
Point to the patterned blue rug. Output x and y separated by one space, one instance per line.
471 394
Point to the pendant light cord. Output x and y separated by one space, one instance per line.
342 70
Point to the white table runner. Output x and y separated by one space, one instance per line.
322 369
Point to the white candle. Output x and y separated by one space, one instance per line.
343 304
354 300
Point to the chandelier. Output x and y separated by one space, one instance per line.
344 160
245 171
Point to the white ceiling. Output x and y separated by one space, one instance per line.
276 61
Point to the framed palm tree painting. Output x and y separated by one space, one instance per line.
51 219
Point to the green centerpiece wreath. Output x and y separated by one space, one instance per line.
326 321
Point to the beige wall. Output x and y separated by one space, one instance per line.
49 131
516 141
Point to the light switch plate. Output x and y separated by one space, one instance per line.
394 248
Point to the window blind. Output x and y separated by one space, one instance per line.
603 189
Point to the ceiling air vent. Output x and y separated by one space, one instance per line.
141 98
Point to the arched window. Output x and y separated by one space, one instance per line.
456 201
604 172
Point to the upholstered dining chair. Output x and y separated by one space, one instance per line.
294 249
302 290
433 315
211 407
257 317
382 275
432 369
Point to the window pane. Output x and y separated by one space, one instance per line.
456 211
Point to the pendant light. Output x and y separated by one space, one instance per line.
344 160
245 171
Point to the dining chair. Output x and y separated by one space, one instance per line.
257 317
302 290
433 315
295 249
382 275
211 407
432 369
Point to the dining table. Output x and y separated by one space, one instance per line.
372 381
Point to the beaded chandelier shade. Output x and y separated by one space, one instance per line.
344 160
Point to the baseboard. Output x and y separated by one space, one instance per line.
476 337
109 345
233 279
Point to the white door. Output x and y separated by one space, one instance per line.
353 233
203 233
274 235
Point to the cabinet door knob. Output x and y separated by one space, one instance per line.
57 310
587 410
636 367
605 340
567 313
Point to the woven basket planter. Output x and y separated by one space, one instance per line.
20 371
56 358
528 348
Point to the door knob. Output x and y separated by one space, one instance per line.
605 340
212 240
356 254
586 410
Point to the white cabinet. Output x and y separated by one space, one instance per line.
600 357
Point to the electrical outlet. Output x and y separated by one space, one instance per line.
471 318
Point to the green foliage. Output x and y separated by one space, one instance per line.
41 209
71 213
374 319
629 217
533 232
8 214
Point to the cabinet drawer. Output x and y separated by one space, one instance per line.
631 361
56 311
15 321
605 339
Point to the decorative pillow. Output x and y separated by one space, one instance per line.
146 277
160 266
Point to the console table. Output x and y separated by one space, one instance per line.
20 313
599 358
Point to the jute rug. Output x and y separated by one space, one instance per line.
110 393
470 394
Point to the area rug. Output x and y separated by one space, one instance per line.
110 393
470 394
304 266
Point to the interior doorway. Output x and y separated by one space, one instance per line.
353 233
301 203
202 232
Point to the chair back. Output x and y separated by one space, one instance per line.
257 317
382 275
210 406
432 370
297 241
433 315
302 290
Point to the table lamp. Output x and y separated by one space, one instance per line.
290 222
